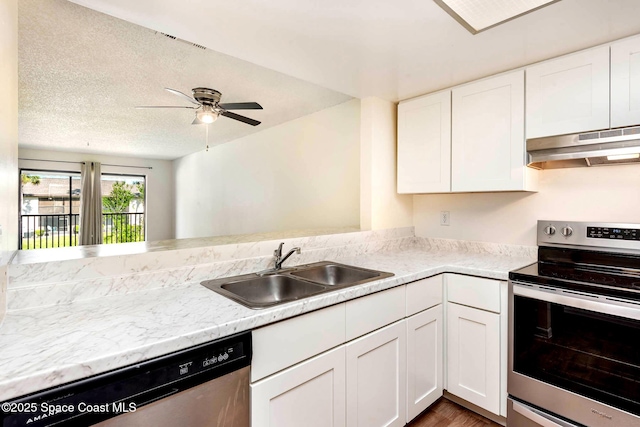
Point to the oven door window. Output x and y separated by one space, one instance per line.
592 354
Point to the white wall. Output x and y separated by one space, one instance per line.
608 193
298 175
8 139
159 191
380 204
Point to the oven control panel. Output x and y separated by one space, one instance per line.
596 235
613 233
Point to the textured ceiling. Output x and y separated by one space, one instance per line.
82 72
391 49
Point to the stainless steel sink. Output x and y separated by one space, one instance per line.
255 291
336 274
270 290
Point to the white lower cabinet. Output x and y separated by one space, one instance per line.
311 394
424 360
376 378
387 375
473 356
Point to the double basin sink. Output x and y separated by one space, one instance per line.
290 284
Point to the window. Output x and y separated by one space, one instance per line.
123 208
50 209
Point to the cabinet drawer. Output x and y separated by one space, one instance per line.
374 311
423 294
474 292
286 343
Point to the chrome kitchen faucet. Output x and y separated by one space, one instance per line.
279 259
278 255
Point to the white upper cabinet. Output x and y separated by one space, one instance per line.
625 83
488 145
569 94
424 144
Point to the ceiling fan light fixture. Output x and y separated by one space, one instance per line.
480 15
207 115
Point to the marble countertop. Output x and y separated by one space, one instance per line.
95 251
45 347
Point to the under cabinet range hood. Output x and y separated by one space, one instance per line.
607 147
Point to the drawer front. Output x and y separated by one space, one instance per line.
374 311
283 344
424 294
474 292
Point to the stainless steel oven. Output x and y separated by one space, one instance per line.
574 329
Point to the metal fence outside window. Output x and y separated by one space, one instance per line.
62 230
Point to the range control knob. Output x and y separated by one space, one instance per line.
567 231
550 230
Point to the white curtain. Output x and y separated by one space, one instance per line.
91 205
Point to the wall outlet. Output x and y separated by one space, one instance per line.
445 218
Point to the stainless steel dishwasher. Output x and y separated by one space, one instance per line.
203 386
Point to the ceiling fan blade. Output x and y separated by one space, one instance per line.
241 106
240 118
182 95
164 106
197 121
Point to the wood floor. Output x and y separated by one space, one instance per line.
445 413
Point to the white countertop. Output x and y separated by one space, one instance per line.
45 347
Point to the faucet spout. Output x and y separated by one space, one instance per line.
278 252
281 261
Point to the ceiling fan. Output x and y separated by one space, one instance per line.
208 107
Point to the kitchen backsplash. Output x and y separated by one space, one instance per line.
488 248
58 282
42 284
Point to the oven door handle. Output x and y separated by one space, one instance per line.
594 303
539 419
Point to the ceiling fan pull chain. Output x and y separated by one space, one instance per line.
207 133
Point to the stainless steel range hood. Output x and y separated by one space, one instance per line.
607 147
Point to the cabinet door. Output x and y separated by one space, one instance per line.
488 147
311 393
569 94
424 360
473 356
376 378
424 144
625 83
